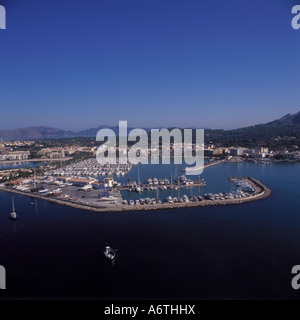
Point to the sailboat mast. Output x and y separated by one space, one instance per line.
13 205
34 182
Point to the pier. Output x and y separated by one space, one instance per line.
260 192
198 183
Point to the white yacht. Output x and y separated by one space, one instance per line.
169 199
138 189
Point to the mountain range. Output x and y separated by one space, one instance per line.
34 133
289 123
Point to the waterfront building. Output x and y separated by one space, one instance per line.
14 155
78 182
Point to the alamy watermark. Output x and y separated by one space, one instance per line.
296 279
2 278
153 147
2 17
296 19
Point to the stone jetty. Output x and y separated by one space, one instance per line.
261 192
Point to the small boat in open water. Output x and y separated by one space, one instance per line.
109 253
13 214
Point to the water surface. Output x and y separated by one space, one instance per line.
243 251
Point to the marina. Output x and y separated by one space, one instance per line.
98 187
91 168
114 202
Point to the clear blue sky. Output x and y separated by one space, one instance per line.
201 63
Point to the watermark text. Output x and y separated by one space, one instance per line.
296 19
296 279
153 147
2 278
2 17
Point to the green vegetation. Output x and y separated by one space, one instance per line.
273 136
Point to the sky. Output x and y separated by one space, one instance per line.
155 63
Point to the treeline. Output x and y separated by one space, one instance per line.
261 135
272 136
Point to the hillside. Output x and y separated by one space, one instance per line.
285 131
34 133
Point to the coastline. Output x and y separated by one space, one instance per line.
261 192
191 169
35 160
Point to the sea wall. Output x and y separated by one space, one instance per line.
261 192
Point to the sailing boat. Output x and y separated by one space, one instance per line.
13 214
109 253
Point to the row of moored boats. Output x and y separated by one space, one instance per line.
169 199
91 168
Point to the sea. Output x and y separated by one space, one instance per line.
243 251
23 164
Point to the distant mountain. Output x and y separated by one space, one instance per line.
93 131
259 135
44 132
34 133
287 120
289 125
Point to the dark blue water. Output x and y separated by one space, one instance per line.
244 251
14 165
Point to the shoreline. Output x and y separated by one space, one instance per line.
191 169
34 160
261 192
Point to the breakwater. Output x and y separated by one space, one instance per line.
261 192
